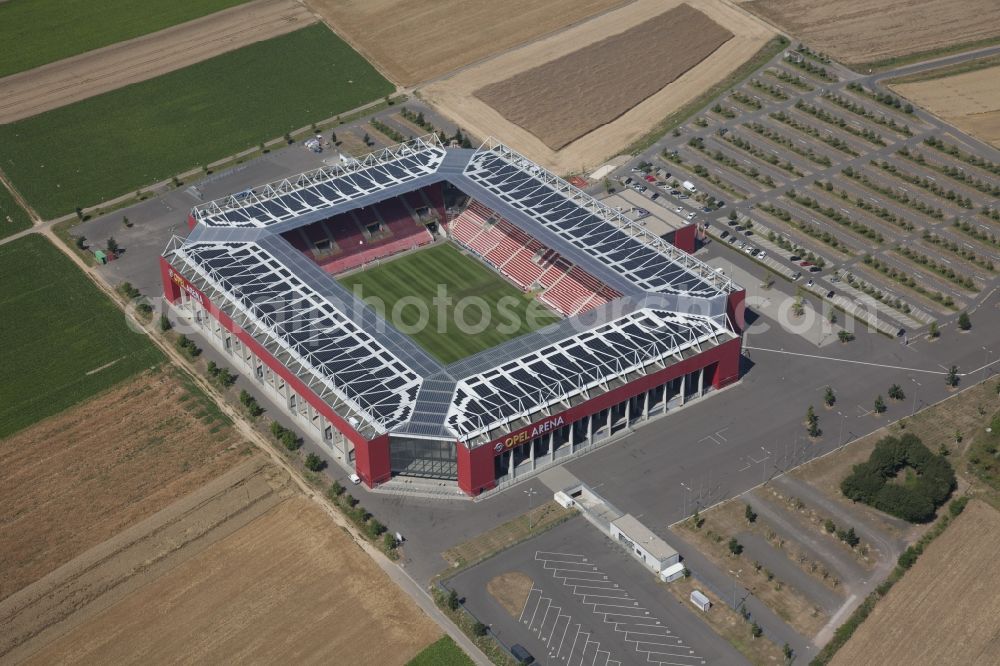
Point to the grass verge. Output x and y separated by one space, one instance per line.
48 30
442 652
63 340
105 146
681 115
483 310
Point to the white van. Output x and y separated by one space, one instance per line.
689 186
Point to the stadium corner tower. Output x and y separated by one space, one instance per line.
643 326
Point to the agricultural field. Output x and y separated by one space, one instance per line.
287 586
484 310
549 100
413 41
117 142
13 218
63 340
639 112
42 31
116 459
73 79
857 32
969 100
909 627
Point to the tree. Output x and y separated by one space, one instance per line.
165 324
787 650
314 463
732 215
479 629
811 417
879 404
79 213
453 600
367 139
849 537
829 526
829 397
750 515
933 330
951 379
896 392
333 138
735 547
112 246
81 243
697 519
964 322
125 222
389 541
845 336
289 140
755 630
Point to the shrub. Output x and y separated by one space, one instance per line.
735 547
335 490
314 463
750 515
388 541
479 629
165 324
957 505
374 529
829 526
964 322
453 600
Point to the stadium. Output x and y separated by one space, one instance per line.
345 293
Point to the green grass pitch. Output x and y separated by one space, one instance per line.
415 277
442 652
36 32
118 142
55 328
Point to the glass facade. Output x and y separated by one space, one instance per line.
424 458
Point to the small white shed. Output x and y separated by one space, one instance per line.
672 573
700 600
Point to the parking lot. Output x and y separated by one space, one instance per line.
590 603
820 176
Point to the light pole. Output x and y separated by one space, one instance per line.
684 502
913 407
736 574
986 361
763 466
530 492
843 420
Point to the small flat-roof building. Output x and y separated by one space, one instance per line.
648 548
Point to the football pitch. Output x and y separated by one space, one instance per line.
452 305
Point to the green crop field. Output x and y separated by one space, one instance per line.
12 217
62 339
442 652
36 32
118 142
482 310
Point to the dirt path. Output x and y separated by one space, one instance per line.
95 72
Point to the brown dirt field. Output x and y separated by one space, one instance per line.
565 98
289 587
511 591
88 74
946 609
970 101
455 98
76 479
416 40
861 31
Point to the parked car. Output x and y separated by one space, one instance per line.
691 215
679 210
815 269
810 282
355 479
683 196
829 294
796 276
795 257
740 244
725 234
650 178
732 239
675 192
763 253
656 195
805 263
706 209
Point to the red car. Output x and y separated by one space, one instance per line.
805 263
651 178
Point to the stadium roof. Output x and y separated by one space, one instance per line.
381 380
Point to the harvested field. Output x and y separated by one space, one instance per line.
456 96
416 40
568 97
945 609
511 591
286 587
118 65
859 31
970 101
78 478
